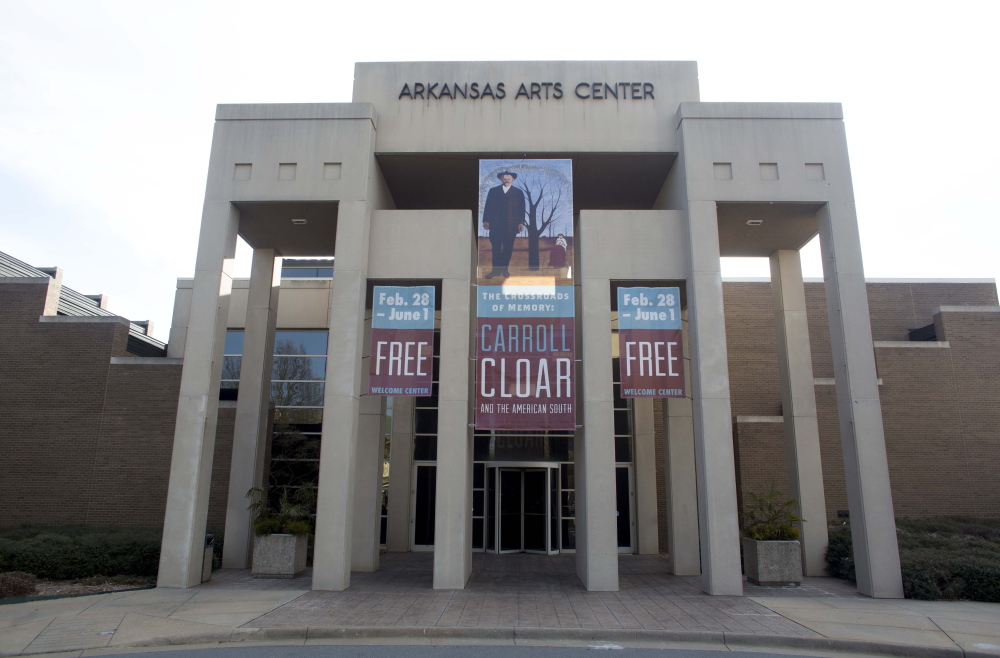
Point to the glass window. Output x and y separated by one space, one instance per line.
287 368
425 421
295 272
297 394
622 422
231 367
234 343
623 449
425 448
300 342
306 420
290 443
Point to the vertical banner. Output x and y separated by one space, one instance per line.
526 327
402 346
650 350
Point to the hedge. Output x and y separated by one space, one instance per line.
942 558
78 551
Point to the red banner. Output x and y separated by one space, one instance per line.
650 351
525 374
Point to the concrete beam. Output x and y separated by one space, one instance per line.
798 400
252 405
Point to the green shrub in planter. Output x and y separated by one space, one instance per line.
769 516
289 517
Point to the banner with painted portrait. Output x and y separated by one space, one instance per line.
525 334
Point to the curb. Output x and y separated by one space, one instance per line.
736 641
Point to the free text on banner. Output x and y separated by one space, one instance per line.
525 325
650 350
402 347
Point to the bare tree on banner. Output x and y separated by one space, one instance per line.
548 196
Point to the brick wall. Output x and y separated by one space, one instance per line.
84 440
219 495
53 386
128 485
940 406
662 495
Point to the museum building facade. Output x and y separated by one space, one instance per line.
824 387
663 187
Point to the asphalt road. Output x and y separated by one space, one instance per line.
410 651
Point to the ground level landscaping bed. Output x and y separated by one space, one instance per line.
940 558
77 559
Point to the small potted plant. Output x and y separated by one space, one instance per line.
281 533
771 551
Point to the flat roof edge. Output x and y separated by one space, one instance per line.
293 111
813 279
701 110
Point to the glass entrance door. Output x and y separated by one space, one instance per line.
521 509
511 500
535 517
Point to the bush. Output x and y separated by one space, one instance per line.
943 558
80 551
840 554
769 516
289 516
16 583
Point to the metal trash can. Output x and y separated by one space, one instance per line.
206 565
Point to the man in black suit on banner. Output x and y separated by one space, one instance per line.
503 217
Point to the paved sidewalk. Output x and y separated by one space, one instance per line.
511 599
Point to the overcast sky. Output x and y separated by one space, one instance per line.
106 110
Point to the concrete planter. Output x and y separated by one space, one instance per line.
279 556
772 562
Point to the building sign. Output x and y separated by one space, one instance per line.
525 305
402 346
650 351
598 91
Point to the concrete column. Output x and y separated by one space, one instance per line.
453 501
646 522
721 571
183 547
866 467
682 487
798 402
250 434
341 404
400 471
596 525
368 468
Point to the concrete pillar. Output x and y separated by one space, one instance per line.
682 487
798 403
400 471
721 571
368 469
866 468
596 525
183 547
341 404
453 501
646 521
250 434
